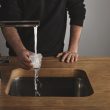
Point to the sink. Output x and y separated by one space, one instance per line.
78 85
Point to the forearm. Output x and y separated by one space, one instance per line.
75 32
12 37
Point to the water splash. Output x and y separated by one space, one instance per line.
36 82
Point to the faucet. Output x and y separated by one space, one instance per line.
23 23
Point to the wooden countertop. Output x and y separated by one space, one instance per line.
98 71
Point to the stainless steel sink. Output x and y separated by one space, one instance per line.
76 86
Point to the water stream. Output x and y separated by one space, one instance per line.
36 70
36 81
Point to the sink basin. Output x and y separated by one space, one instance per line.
77 85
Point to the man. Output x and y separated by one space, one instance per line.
51 31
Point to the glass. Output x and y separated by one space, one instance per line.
36 60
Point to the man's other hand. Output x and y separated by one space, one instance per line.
68 57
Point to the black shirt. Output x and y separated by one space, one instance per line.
51 32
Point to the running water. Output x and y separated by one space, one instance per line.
35 39
36 70
36 81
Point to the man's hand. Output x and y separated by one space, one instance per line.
68 56
24 59
71 55
13 38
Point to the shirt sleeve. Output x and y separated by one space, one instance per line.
14 12
77 11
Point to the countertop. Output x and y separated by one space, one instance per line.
98 72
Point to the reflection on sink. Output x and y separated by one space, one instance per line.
78 86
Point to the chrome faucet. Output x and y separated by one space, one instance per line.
23 23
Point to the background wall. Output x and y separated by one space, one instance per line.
95 38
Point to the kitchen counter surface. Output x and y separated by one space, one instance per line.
98 72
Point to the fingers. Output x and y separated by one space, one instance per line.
76 57
28 64
25 65
68 57
64 57
24 60
59 54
